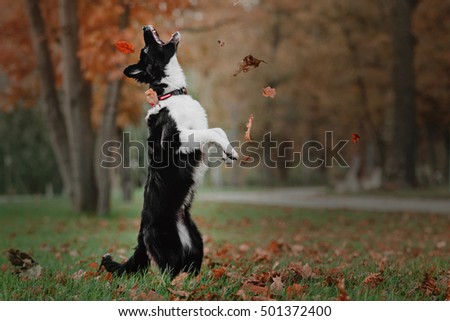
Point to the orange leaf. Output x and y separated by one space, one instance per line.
355 137
269 92
249 128
152 97
124 47
373 280
219 272
295 290
343 296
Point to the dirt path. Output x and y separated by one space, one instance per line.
319 199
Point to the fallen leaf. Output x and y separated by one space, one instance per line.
373 280
277 285
256 289
124 47
332 276
429 285
183 294
179 279
20 259
152 97
269 92
218 273
249 128
295 290
355 138
246 63
343 296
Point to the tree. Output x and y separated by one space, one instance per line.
403 163
80 80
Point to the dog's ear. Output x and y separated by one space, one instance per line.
133 71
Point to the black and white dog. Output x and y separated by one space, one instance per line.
178 132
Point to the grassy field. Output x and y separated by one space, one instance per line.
251 253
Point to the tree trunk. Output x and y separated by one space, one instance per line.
403 162
77 100
51 107
107 133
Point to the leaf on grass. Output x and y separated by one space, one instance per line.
373 280
246 63
305 271
277 285
256 289
429 285
447 295
332 276
183 294
269 92
24 264
355 137
343 296
152 97
124 47
218 273
295 290
179 279
249 128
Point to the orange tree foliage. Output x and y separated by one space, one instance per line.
101 62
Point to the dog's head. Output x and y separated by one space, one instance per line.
155 56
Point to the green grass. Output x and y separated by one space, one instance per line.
246 249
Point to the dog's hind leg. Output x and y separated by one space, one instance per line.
139 261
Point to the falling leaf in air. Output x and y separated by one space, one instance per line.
269 92
355 138
152 97
246 63
124 47
249 128
221 43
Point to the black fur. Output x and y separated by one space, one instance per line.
168 191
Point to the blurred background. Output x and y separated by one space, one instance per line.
378 68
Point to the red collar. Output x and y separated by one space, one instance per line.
181 91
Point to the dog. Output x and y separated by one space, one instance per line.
178 134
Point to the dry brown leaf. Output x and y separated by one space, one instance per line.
277 285
373 280
183 294
295 290
343 296
269 92
246 63
219 272
429 285
179 279
256 289
249 128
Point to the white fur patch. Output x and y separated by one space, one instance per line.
183 233
175 76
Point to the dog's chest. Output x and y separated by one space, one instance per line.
186 112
